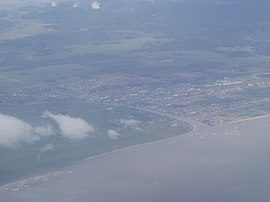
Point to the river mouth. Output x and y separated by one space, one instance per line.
59 134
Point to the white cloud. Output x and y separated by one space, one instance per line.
113 134
45 131
131 123
48 147
95 5
53 4
70 127
14 131
75 5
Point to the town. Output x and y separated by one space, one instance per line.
214 103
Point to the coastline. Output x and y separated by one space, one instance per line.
24 182
191 129
190 152
249 119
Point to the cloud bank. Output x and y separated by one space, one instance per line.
71 128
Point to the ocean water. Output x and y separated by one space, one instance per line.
220 164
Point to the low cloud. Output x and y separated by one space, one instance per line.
14 131
46 148
70 127
131 123
95 5
44 131
75 5
113 134
53 4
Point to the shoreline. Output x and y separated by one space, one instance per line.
25 182
249 119
140 145
193 128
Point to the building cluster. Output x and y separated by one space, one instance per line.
209 102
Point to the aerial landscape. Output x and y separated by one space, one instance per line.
139 100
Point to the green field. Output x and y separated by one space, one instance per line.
149 127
